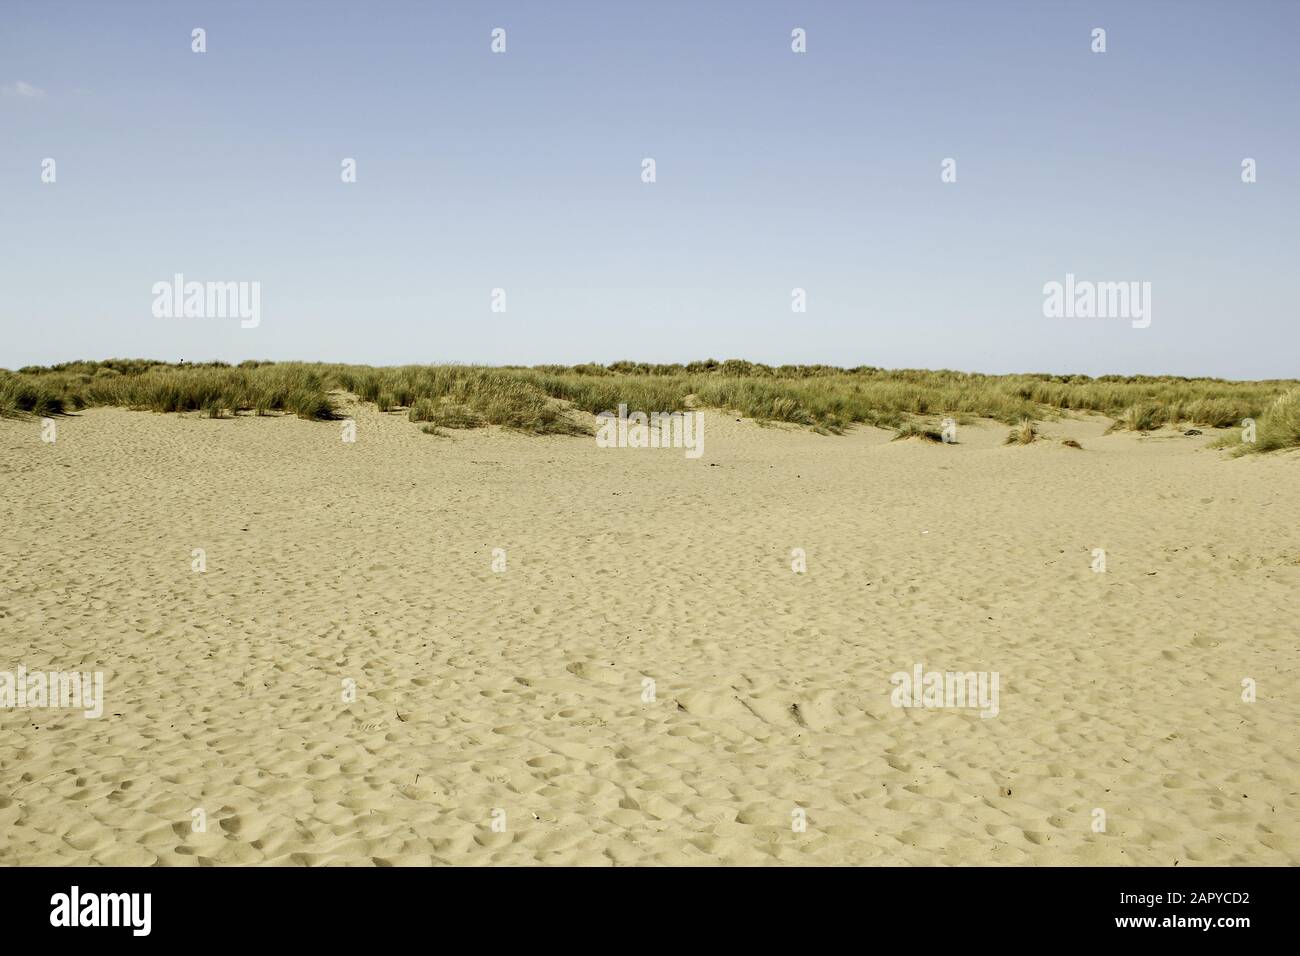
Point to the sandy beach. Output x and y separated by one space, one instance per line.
643 678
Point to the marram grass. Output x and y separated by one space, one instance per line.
213 389
542 399
1278 428
1023 433
913 430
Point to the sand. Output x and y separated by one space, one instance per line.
518 697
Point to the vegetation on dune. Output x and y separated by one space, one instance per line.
21 397
1023 433
817 396
1140 417
539 399
913 430
1280 425
1219 411
214 388
1276 429
456 396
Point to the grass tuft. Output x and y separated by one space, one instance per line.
1023 433
1140 417
912 430
1278 428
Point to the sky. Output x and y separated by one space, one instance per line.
774 171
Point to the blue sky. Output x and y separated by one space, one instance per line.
775 170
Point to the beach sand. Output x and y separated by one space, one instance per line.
519 697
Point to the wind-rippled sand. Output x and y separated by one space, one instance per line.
522 692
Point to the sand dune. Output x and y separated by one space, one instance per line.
522 693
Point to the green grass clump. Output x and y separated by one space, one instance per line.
1140 417
21 396
453 396
443 414
1213 412
1024 433
1278 428
912 430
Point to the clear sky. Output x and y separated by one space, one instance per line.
775 170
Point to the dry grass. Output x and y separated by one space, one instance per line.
1141 417
539 399
912 430
1277 429
1023 433
213 389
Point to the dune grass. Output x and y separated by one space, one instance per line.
1277 429
1023 433
542 399
1280 425
455 396
914 430
214 389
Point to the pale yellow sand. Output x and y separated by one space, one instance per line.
522 691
